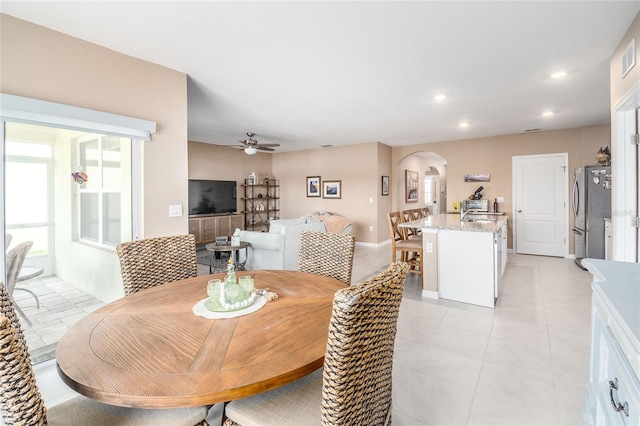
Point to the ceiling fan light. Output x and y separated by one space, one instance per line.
250 150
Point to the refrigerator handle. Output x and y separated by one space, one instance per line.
576 196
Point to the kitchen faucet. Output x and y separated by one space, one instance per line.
463 213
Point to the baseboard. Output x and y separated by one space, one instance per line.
430 294
373 245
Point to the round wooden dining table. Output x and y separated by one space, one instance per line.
149 350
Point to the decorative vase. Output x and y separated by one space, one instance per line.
603 156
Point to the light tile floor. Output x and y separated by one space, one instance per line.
524 362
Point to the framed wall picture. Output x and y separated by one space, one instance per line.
411 186
332 189
313 186
481 177
385 185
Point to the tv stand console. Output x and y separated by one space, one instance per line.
207 228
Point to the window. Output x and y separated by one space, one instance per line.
100 209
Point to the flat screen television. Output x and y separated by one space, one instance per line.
212 197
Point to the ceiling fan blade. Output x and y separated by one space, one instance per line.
268 144
236 146
264 148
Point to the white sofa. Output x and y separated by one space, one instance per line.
278 248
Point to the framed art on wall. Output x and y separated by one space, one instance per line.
332 189
411 186
385 185
313 186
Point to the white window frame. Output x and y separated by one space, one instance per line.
34 111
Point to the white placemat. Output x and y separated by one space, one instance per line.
200 310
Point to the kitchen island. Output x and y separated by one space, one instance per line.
463 261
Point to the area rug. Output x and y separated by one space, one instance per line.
204 257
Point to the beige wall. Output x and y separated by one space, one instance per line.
620 85
354 165
47 65
494 156
207 161
360 181
43 64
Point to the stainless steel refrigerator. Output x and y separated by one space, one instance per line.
591 205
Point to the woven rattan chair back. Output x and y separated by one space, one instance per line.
327 254
7 309
21 402
359 357
7 241
153 261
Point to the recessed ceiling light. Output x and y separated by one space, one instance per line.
463 124
547 113
440 97
559 74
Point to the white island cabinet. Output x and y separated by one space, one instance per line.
470 257
470 265
613 391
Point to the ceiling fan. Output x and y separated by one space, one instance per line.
251 146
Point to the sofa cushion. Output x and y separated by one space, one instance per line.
265 250
275 226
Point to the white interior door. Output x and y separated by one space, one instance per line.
540 209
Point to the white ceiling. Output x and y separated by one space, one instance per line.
305 74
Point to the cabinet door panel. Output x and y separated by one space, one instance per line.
224 226
209 229
194 228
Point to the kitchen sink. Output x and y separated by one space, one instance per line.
478 219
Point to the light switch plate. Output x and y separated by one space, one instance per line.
175 210
500 199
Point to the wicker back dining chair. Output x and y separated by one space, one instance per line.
22 404
327 254
153 261
354 387
410 249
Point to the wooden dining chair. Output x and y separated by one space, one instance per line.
327 254
354 387
22 403
408 216
410 249
153 261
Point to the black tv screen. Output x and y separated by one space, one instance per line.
212 197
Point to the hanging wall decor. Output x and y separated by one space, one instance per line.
79 176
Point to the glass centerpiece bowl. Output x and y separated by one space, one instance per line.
230 295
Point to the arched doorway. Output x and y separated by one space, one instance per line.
431 169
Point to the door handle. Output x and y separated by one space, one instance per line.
519 211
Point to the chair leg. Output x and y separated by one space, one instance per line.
32 293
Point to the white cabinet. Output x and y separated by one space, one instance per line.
613 391
469 266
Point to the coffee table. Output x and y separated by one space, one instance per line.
220 265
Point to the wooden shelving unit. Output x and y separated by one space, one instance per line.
261 204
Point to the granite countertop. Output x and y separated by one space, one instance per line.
452 222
